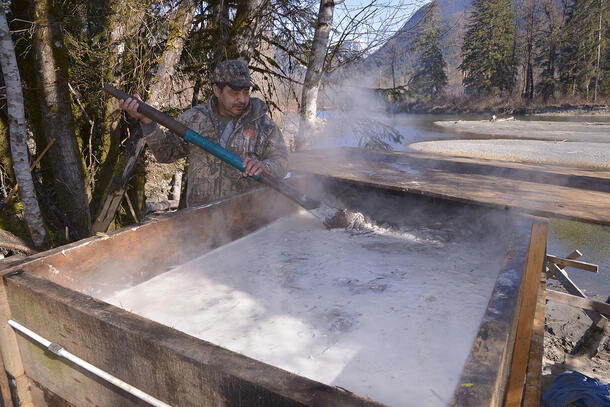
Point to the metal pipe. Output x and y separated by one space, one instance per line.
59 351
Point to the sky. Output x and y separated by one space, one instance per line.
383 18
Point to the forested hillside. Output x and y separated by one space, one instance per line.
536 48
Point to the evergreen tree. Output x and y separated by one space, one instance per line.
580 44
429 77
547 49
488 52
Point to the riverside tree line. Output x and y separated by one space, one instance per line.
70 162
559 49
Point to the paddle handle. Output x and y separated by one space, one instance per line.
215 149
149 111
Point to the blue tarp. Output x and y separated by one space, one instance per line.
575 387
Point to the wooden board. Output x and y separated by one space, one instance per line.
11 358
529 290
575 301
165 363
106 263
533 378
547 191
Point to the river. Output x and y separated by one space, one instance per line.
564 236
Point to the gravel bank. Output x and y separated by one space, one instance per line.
581 154
541 130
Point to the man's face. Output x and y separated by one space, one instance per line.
231 102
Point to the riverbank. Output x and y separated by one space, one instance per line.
502 106
580 144
575 154
598 132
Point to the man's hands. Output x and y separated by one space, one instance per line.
131 107
253 167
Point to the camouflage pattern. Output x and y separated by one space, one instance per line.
233 71
254 135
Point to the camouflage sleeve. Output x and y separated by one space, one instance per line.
165 145
276 154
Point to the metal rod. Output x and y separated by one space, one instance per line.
59 351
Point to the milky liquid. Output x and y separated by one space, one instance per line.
391 317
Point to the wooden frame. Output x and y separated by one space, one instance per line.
174 367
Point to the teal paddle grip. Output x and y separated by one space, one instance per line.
215 149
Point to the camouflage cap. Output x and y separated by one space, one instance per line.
235 72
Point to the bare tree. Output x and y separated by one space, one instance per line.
18 134
530 12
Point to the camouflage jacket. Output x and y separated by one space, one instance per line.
254 135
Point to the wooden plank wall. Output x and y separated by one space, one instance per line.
167 364
99 266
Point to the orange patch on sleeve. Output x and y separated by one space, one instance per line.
249 133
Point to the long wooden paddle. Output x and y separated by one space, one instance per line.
332 217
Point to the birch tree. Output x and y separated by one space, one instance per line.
18 134
313 77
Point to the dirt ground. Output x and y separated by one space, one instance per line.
564 329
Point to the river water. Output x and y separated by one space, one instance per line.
564 236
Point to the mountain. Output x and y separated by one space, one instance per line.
398 51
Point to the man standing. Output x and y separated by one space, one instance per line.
229 118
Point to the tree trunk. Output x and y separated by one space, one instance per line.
313 77
599 47
18 134
65 157
247 28
160 91
179 30
124 21
220 31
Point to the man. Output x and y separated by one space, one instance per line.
229 118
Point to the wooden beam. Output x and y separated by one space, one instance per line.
529 289
11 357
572 288
533 379
576 254
5 391
579 302
563 263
